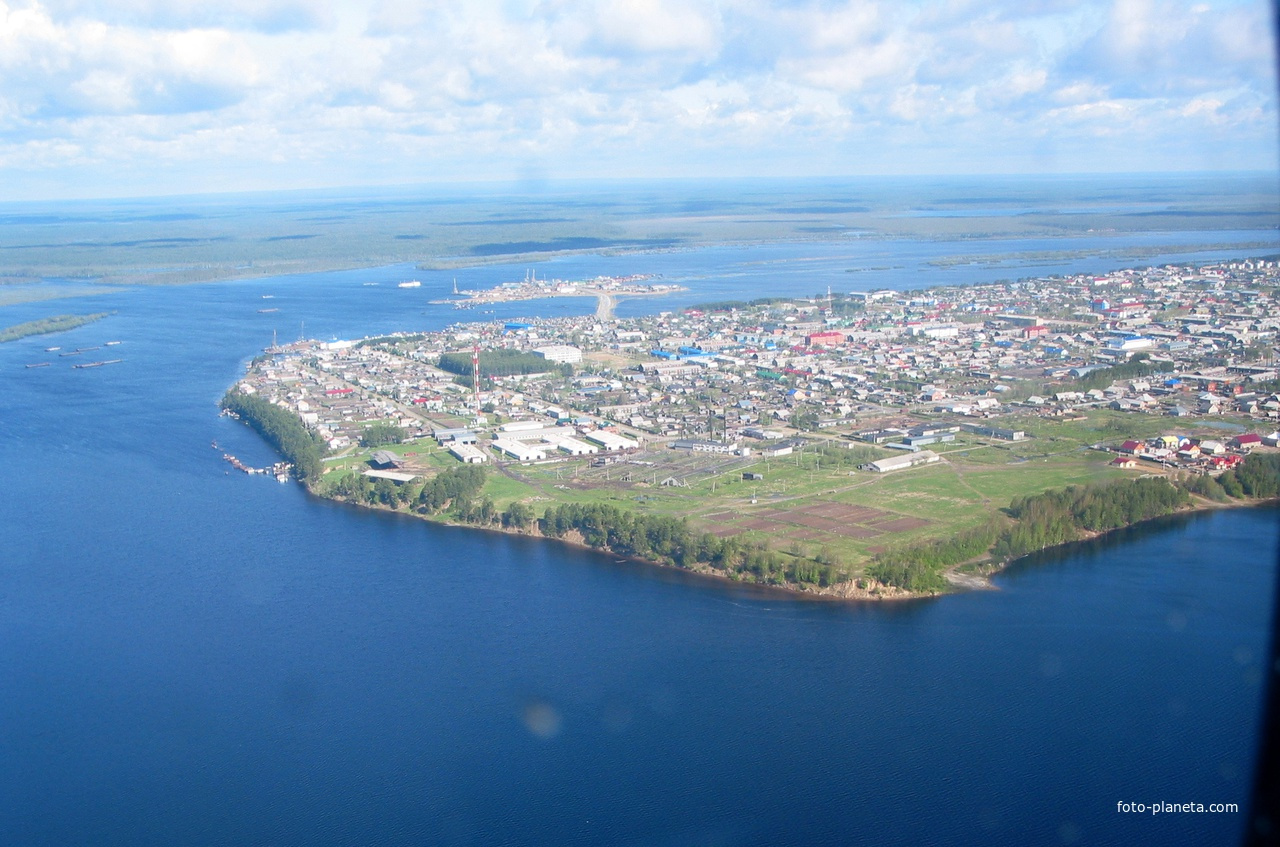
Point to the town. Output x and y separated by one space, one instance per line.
840 425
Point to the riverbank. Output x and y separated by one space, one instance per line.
974 575
854 589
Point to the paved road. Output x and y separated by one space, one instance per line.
604 306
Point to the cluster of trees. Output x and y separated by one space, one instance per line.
805 420
1041 520
1055 517
283 430
455 487
846 455
1136 367
496 363
1257 477
379 433
672 541
919 567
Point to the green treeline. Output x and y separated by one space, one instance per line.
283 430
919 567
456 486
496 363
456 493
671 541
1257 477
44 326
1056 517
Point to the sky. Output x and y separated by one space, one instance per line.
117 98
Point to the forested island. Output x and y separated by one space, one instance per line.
46 326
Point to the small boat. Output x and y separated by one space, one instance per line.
39 365
51 349
265 311
268 296
413 283
112 343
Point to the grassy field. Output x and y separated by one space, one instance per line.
807 503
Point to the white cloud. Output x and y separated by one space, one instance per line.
372 90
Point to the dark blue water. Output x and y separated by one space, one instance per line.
189 656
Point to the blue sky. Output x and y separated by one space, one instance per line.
102 98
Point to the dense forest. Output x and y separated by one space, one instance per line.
283 430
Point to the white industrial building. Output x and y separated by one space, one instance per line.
574 447
522 426
898 463
562 353
520 450
466 453
611 440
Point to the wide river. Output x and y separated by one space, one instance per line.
191 656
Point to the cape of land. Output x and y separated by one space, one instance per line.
876 445
47 326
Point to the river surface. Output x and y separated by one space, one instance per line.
194 656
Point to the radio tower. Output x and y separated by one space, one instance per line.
475 375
